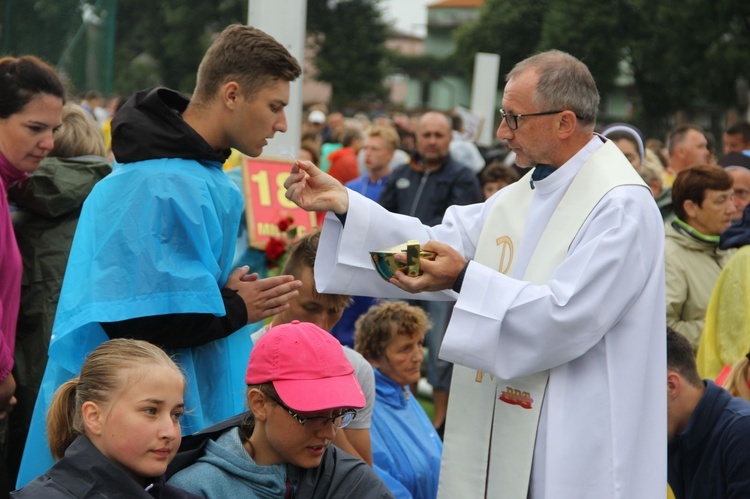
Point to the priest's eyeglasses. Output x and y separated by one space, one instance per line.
340 420
512 119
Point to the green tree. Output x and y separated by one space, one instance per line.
687 56
172 35
350 38
569 25
40 28
506 27
424 69
157 42
516 30
44 29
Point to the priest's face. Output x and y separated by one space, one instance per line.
402 359
531 138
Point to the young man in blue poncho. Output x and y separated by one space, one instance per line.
152 253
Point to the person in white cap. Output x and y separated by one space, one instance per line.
628 139
317 117
316 124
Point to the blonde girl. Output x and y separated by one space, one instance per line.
115 427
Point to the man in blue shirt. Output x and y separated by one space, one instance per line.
380 145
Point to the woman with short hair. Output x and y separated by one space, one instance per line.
406 448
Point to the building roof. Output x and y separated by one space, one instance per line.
456 4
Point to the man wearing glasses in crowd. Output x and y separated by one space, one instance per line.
559 282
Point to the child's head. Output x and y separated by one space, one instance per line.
496 176
301 389
128 401
322 309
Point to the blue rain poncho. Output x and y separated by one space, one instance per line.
155 237
406 448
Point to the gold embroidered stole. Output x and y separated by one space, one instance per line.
492 423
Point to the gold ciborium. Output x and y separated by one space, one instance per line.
385 262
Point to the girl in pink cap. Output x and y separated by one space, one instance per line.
301 390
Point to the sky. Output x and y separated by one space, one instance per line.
409 16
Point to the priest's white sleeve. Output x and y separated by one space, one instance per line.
343 263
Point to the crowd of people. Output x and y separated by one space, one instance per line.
575 264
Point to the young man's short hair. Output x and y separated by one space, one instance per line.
302 255
387 133
681 358
247 56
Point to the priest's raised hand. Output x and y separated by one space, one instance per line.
314 190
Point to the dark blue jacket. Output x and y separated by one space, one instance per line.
711 458
738 234
413 191
84 473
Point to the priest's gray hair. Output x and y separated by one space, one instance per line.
565 83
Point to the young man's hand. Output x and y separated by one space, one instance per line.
263 297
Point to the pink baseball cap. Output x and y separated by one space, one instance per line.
307 366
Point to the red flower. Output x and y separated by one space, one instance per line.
285 223
275 249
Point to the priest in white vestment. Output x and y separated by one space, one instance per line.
560 315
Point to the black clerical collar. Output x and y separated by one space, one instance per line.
541 172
